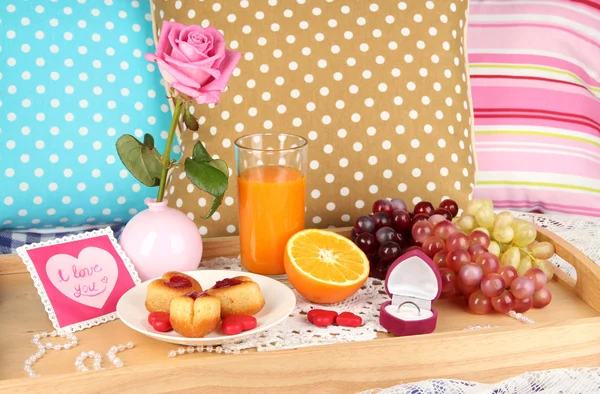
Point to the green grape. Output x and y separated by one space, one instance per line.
503 234
545 266
524 236
467 223
524 265
504 219
474 206
518 223
485 217
483 230
512 256
494 248
487 203
542 250
455 220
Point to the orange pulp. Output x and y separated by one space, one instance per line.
271 210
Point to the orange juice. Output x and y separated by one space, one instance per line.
271 210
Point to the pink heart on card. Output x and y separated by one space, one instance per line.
88 279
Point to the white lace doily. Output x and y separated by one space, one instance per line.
296 331
575 381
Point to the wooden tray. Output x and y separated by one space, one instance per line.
566 334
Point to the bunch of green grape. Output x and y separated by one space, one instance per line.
512 240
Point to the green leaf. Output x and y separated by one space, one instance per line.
149 141
141 161
200 154
209 179
220 165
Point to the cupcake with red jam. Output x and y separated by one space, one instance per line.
195 315
172 284
238 296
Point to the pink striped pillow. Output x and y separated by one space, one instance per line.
535 82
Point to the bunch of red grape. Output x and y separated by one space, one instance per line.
389 231
468 268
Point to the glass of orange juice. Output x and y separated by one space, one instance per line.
271 178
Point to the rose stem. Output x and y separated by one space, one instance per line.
166 159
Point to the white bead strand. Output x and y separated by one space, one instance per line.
42 347
112 353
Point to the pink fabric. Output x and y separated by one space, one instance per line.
535 79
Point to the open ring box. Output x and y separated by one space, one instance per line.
414 283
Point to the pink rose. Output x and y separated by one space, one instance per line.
194 61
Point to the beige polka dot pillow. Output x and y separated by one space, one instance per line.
379 88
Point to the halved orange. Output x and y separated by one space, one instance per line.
325 267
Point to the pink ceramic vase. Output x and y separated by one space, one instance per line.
161 239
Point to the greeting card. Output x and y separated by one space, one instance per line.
80 278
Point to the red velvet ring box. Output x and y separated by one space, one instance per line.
414 283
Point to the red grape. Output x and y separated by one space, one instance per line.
450 294
476 251
373 258
443 229
398 204
418 217
435 219
440 259
383 206
381 219
424 207
364 224
401 221
479 238
479 303
400 239
432 245
470 274
523 305
451 206
444 212
353 234
464 289
492 285
385 234
457 241
508 273
379 271
422 230
366 242
389 251
414 247
457 258
538 277
522 287
489 262
504 302
448 280
541 298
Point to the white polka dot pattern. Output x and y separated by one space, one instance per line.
72 80
379 88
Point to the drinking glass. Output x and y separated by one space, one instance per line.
271 177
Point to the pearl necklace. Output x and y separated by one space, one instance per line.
521 317
199 349
41 348
69 344
112 353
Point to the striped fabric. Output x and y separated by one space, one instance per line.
535 78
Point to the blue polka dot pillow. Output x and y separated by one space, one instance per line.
73 80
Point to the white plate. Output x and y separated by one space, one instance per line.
280 301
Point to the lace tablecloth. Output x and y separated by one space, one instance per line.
294 332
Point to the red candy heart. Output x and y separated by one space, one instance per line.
348 319
160 321
321 317
235 324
